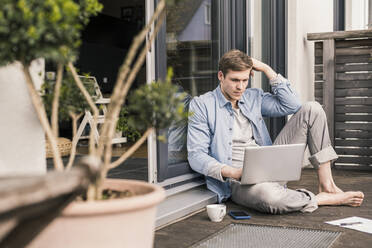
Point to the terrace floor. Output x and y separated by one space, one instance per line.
191 230
134 167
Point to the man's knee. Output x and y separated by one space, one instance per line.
273 205
269 198
264 197
313 108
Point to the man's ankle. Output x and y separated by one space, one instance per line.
329 187
326 184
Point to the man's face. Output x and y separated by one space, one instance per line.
234 83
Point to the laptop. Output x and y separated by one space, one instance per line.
276 163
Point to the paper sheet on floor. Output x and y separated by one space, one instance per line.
356 223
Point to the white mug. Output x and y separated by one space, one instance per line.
216 212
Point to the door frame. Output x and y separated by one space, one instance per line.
150 77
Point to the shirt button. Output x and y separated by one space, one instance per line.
228 158
231 114
230 128
229 143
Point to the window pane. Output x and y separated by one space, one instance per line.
189 53
189 45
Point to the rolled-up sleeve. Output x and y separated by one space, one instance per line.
198 142
283 101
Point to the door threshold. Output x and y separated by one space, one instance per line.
183 204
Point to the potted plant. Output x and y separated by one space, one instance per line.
71 106
124 128
31 29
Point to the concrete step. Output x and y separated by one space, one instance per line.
183 203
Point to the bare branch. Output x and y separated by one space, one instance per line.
126 87
75 117
131 150
123 71
57 90
92 105
40 111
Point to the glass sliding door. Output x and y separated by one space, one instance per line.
191 42
186 48
274 50
189 45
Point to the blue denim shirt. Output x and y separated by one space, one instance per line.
210 127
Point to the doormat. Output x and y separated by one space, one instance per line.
246 235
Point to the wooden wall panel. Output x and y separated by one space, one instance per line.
318 69
353 102
343 85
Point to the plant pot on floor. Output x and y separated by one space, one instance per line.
127 222
118 134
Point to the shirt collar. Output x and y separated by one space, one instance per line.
222 99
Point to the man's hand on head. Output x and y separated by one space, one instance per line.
260 66
228 171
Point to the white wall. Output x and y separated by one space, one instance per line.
356 14
22 140
256 38
305 17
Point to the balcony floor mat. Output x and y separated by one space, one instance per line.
246 235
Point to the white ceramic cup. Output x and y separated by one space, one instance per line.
216 212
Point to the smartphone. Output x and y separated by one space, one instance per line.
239 215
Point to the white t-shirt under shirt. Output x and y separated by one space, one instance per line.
242 138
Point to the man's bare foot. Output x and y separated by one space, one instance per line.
329 187
349 198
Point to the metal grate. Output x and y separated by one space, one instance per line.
243 235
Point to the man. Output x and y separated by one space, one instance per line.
230 118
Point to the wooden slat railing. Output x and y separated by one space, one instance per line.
343 85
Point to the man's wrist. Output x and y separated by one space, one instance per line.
269 72
228 171
277 80
225 172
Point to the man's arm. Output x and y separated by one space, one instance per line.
284 100
259 66
198 141
228 171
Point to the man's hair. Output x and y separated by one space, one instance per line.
234 60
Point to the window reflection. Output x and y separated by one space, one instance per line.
189 52
177 136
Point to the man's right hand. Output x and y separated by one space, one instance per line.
260 66
228 171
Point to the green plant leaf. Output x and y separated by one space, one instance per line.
71 98
30 29
158 105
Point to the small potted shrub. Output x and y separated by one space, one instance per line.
125 129
71 105
31 29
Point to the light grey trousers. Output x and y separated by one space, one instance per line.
308 125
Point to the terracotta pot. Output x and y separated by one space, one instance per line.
127 222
